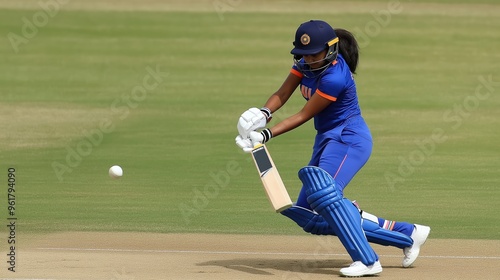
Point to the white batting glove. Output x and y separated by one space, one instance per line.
253 119
244 143
260 137
255 138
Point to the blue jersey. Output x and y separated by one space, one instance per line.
336 84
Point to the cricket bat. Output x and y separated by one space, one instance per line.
273 185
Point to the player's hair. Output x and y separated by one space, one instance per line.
348 48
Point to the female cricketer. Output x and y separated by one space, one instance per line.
325 60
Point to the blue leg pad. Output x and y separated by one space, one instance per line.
314 223
339 212
376 234
308 220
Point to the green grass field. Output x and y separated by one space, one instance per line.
74 101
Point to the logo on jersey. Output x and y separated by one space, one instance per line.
306 92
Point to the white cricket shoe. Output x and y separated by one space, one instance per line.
358 269
419 236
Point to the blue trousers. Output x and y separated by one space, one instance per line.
341 152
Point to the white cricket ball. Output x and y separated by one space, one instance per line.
115 172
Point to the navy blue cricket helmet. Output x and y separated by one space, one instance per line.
313 37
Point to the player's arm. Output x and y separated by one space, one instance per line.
281 96
255 119
315 105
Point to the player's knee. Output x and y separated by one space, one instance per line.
320 188
308 220
318 226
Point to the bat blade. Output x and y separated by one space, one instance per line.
271 179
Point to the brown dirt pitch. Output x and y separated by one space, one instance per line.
91 255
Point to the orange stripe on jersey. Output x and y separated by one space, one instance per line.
296 73
324 95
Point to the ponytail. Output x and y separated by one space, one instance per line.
348 48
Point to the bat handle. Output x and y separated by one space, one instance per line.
258 145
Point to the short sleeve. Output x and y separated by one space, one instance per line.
331 87
296 71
